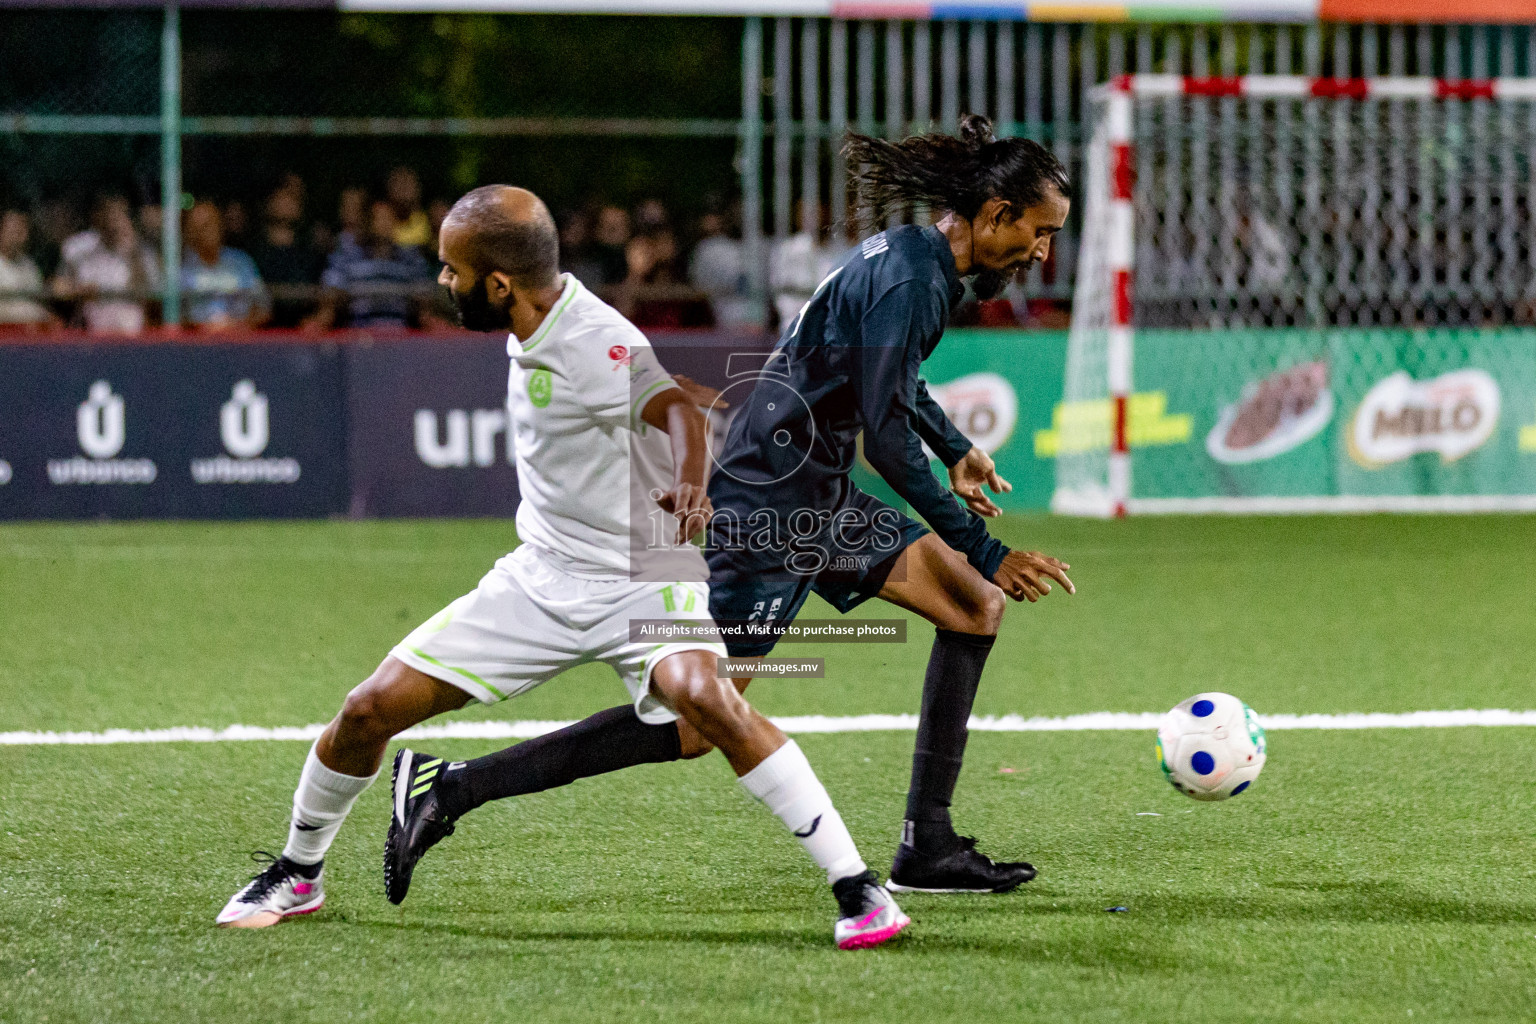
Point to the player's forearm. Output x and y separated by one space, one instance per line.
936 429
956 526
950 446
686 427
911 478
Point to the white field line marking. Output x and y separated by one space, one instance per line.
505 730
158 552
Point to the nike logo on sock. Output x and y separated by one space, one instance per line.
811 829
304 826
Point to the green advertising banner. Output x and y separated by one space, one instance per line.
1344 420
999 387
1263 420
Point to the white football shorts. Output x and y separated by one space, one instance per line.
530 619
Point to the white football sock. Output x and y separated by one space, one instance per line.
787 784
320 805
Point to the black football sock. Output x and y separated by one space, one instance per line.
605 742
949 690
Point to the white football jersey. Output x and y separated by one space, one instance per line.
588 468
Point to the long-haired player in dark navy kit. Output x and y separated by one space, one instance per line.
789 521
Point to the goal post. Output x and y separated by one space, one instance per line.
1303 294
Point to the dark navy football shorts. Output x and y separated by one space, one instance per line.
846 564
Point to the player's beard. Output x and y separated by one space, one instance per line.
476 311
989 284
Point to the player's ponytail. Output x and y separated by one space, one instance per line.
946 172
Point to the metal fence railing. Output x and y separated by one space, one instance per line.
807 80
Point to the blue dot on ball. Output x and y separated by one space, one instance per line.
1201 708
1240 787
1202 762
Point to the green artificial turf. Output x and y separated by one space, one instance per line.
1368 876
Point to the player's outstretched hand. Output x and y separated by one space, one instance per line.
691 505
1023 575
967 476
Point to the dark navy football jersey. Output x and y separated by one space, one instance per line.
850 363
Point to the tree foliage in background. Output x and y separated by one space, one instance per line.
319 64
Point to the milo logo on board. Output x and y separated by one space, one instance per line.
983 406
1453 414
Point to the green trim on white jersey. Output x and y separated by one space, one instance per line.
549 321
636 410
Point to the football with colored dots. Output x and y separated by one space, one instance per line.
1211 746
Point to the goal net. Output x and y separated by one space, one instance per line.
1299 294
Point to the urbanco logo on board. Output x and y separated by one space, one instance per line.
101 430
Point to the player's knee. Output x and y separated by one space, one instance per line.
704 699
362 715
985 609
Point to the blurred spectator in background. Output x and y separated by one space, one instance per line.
351 209
21 283
237 224
653 294
402 190
660 276
652 256
293 184
377 282
650 217
610 234
437 212
322 237
57 220
797 264
576 256
220 283
151 222
284 259
719 270
109 270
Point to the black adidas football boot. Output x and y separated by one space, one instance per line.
419 821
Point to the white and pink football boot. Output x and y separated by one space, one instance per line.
282 890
